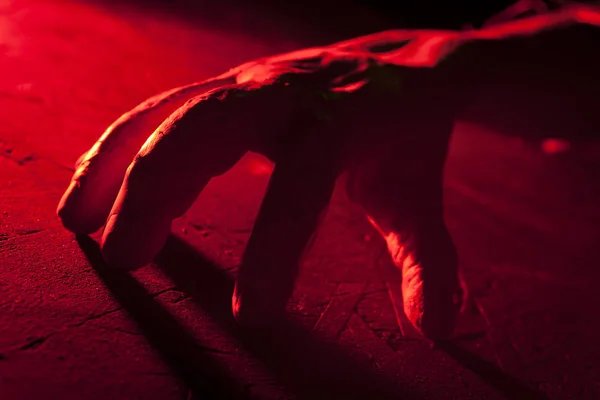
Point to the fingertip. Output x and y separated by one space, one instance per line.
72 214
130 245
437 324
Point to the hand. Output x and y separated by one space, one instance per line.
380 108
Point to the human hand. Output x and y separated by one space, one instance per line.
377 107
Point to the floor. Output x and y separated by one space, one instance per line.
525 220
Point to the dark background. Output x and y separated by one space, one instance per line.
405 13
326 20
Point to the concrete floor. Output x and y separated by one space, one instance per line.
526 224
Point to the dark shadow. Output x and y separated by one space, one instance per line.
190 361
265 19
312 368
505 384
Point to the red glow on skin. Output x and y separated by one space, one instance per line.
349 88
535 24
428 48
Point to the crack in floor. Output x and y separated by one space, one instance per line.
7 152
20 161
95 316
35 343
31 344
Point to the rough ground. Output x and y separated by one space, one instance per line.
526 224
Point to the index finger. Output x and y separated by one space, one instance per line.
99 173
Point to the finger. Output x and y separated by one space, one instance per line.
99 173
381 42
401 192
297 197
201 140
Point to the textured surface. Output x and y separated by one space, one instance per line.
526 225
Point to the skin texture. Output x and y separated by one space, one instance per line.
380 108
